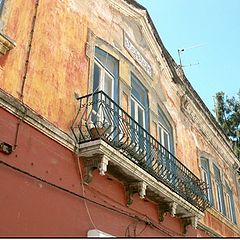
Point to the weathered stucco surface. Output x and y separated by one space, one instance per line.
58 67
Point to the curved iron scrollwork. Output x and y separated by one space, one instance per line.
99 117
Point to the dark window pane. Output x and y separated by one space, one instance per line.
96 77
140 116
166 140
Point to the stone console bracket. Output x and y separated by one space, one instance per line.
135 187
99 162
167 207
190 221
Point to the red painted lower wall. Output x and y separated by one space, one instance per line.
42 195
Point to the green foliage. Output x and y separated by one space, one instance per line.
228 115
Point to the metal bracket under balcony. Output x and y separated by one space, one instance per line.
112 141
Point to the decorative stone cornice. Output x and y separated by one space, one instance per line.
207 129
6 44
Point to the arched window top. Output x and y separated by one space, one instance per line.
205 163
107 60
217 172
138 90
164 120
105 74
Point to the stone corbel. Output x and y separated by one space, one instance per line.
135 187
167 207
102 166
193 221
173 208
90 164
6 44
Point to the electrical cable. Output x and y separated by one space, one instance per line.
83 189
87 199
138 234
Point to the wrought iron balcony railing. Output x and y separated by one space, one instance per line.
99 117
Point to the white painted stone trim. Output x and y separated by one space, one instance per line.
97 147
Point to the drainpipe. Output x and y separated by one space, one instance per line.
21 93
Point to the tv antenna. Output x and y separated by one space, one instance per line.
186 49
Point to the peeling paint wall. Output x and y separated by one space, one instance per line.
58 67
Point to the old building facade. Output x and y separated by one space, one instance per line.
101 134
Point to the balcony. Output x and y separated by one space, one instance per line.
110 140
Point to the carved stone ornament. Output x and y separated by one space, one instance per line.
90 164
190 221
6 44
137 55
173 208
167 207
135 187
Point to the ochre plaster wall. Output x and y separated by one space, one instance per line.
58 67
17 21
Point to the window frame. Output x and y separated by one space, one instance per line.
1 6
136 85
104 71
165 126
230 206
139 96
115 88
220 203
137 105
205 168
101 72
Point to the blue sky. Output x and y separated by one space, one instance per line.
213 26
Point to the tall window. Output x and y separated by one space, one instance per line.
139 112
166 161
139 102
165 131
207 178
105 76
219 190
231 214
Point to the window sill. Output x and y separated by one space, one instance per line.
6 44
